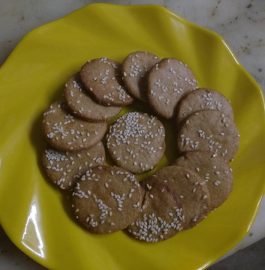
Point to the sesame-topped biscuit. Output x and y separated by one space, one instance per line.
168 81
135 67
100 78
82 105
67 133
174 201
211 131
214 171
106 199
203 99
64 168
136 141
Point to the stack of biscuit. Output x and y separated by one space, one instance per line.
106 198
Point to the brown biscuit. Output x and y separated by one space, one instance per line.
203 99
136 141
168 82
174 201
214 171
100 78
107 199
80 103
194 196
209 131
66 133
65 168
135 66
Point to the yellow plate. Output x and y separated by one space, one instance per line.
32 212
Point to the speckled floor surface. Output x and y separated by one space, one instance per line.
251 258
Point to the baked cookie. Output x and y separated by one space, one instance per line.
174 201
66 133
168 81
82 105
214 171
136 141
203 99
211 131
65 168
106 199
100 78
135 66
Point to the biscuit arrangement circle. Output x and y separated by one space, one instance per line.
102 142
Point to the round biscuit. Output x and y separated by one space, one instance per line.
82 105
174 201
101 79
106 199
190 189
67 133
136 141
211 131
203 99
65 168
214 171
168 81
135 67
